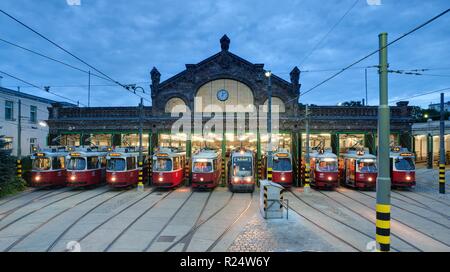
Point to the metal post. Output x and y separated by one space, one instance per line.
224 154
383 206
307 159
429 146
442 149
19 140
269 126
365 76
141 158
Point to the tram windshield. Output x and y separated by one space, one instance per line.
162 164
367 166
76 164
242 167
116 164
404 164
327 165
282 164
41 164
202 167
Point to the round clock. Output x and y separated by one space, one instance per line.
222 95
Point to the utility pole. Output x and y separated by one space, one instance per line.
19 139
365 76
307 159
141 161
383 206
89 89
269 126
442 149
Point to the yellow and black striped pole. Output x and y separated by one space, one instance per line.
259 170
383 225
223 172
383 199
19 168
442 178
281 198
307 174
187 173
269 173
140 174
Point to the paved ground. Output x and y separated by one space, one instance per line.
103 219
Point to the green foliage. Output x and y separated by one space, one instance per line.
9 182
352 104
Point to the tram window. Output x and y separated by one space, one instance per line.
327 166
93 163
242 167
176 163
202 167
367 166
215 165
76 164
57 163
103 162
282 164
41 164
116 164
131 163
404 164
162 164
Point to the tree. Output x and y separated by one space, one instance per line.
352 104
9 182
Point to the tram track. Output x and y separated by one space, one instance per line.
434 199
33 200
35 210
214 244
412 212
372 237
396 219
134 221
23 237
19 195
310 220
55 242
198 223
421 203
368 220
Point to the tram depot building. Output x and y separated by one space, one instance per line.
199 87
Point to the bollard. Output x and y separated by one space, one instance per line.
307 180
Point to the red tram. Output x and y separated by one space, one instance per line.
358 169
48 168
241 171
324 169
206 169
168 167
122 167
85 167
403 169
281 167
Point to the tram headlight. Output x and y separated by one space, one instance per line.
369 179
38 178
113 178
330 178
236 179
248 179
160 179
408 178
283 178
72 178
201 179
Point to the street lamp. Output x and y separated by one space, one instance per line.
268 74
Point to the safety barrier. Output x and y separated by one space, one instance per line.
272 202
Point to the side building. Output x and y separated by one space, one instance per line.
33 130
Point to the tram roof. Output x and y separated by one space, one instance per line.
206 154
242 153
323 155
355 155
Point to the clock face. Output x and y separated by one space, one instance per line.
222 95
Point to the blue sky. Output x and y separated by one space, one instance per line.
125 39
